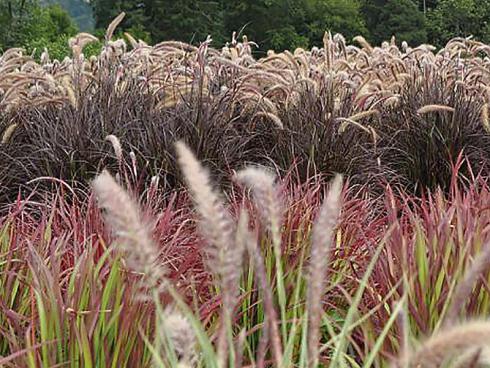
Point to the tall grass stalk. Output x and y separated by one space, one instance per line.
266 198
322 237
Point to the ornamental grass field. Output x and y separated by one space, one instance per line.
196 206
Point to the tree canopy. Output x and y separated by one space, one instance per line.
399 18
79 10
459 18
272 24
27 23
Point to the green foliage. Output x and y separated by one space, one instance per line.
53 31
463 18
158 20
57 48
289 24
18 19
79 10
136 14
186 20
286 38
104 11
337 16
138 31
399 18
31 26
58 21
272 24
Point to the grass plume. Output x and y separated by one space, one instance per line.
224 257
132 234
450 343
322 237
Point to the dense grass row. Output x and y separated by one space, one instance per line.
376 114
72 293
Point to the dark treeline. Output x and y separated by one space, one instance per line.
272 24
79 10
286 24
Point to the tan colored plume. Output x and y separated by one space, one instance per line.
132 234
484 118
223 255
113 25
450 343
116 145
7 134
177 328
363 42
322 237
434 108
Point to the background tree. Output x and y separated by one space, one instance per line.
337 16
287 24
185 20
79 10
17 21
136 20
452 18
266 22
425 5
273 24
158 20
26 24
399 18
53 28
